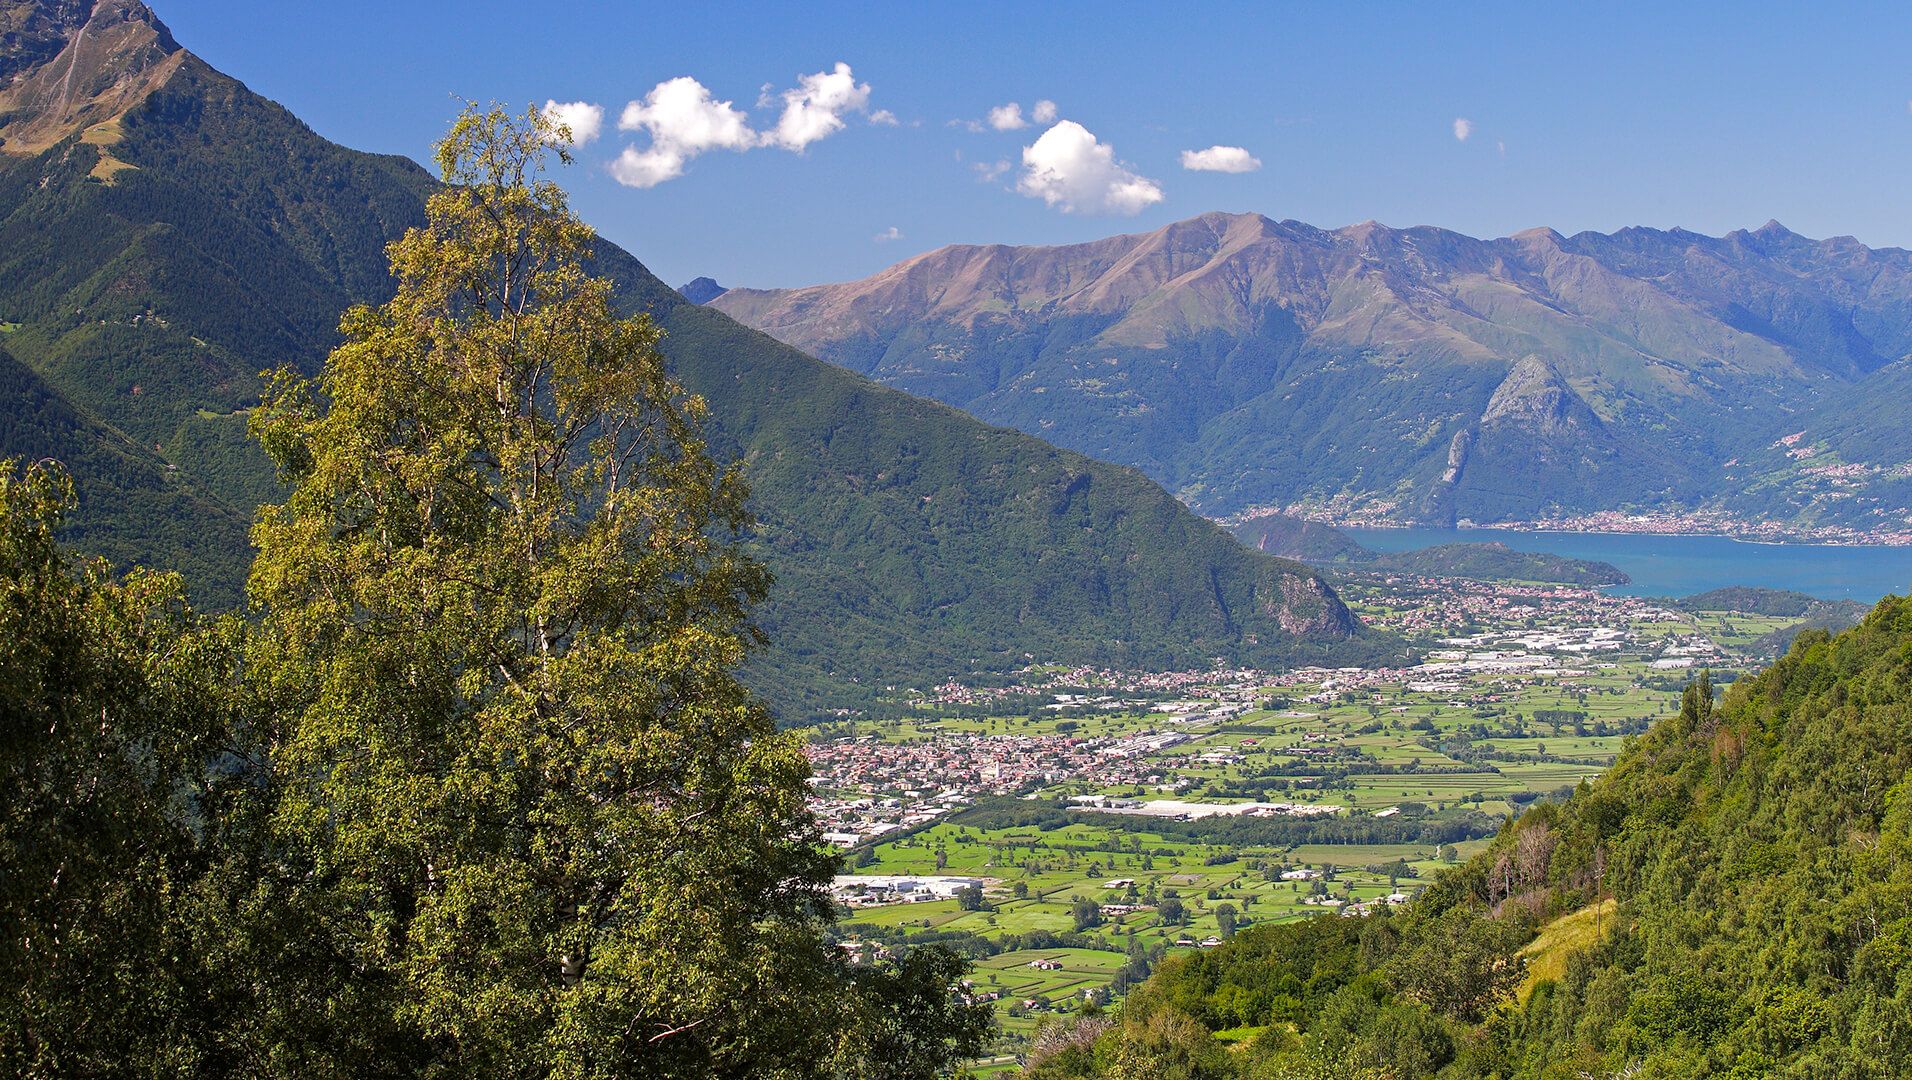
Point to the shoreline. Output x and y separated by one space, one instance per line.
1540 531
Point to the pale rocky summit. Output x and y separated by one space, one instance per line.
71 66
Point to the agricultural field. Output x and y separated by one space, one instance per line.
1081 826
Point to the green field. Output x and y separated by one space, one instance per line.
1420 767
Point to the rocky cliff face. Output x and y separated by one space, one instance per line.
1309 609
1535 398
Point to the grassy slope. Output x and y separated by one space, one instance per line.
1562 939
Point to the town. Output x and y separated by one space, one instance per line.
1071 810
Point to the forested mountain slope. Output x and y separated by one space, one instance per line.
165 234
1734 898
135 505
1415 373
170 238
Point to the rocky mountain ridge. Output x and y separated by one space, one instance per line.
1414 374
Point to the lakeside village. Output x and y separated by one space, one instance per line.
1382 514
1099 741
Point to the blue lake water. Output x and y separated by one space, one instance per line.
1684 565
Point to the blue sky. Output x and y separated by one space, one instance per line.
1710 117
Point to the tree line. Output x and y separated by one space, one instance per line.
472 788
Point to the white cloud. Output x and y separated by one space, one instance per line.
583 118
816 106
1007 117
987 171
1228 159
1463 127
887 235
683 121
647 168
1069 169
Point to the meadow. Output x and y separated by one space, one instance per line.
1406 773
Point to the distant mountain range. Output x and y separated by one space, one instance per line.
1415 375
166 234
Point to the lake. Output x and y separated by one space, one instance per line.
1684 565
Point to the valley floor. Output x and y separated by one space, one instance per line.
1070 827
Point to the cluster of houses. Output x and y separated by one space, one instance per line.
969 995
1107 688
1718 523
870 890
1352 908
865 786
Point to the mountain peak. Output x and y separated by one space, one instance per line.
1535 397
1772 228
701 290
69 65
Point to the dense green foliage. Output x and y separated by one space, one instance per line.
1756 601
1743 899
479 793
1298 538
174 903
1759 855
1495 561
906 1024
907 541
102 735
133 508
504 628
